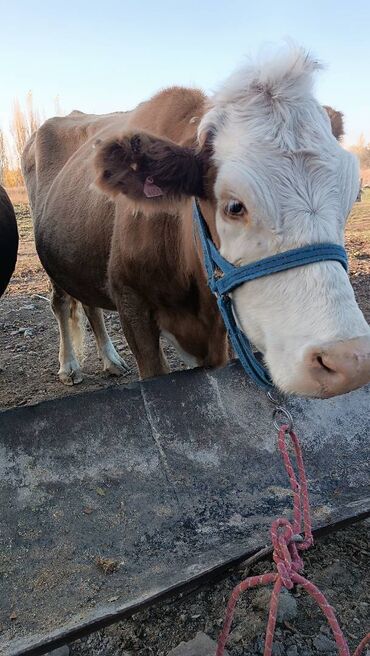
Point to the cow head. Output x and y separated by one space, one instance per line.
281 180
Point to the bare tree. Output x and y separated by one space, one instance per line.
32 115
23 124
19 130
57 106
3 157
362 150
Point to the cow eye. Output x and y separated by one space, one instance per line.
235 208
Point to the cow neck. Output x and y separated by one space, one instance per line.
192 248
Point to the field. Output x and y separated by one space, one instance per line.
18 195
28 374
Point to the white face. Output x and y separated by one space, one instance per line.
283 184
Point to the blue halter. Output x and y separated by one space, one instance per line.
223 277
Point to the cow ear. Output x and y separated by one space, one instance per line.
144 167
336 120
205 155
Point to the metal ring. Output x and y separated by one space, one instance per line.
283 411
272 399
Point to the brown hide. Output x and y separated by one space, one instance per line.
336 120
106 252
131 248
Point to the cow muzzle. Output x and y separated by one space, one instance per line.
335 368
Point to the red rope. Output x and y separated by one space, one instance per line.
288 560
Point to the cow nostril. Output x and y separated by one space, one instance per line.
337 367
324 366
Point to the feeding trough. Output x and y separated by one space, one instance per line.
113 498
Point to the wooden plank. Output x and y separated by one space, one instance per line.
171 479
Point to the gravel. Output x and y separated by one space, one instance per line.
337 564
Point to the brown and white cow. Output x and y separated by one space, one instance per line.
111 199
8 240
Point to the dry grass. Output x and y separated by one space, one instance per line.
359 220
365 175
18 195
29 277
358 248
107 565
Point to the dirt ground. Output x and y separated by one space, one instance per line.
338 563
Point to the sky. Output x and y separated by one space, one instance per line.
108 55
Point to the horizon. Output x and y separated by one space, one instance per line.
103 59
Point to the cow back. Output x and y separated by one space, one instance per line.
52 145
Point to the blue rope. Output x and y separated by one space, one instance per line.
223 277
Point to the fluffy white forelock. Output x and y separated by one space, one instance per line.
274 94
273 144
284 76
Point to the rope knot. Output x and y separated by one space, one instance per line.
287 543
285 554
285 576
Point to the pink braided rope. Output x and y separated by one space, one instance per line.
287 559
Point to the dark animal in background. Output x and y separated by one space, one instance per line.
8 240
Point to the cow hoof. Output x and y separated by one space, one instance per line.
116 367
70 376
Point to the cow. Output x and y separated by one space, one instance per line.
8 240
112 197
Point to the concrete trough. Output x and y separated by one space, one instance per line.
111 499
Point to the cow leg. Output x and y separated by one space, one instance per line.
112 362
142 333
67 313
